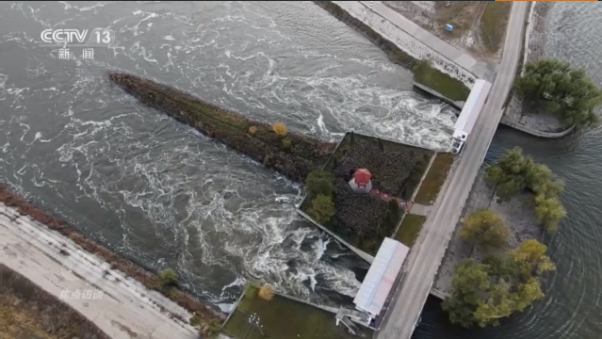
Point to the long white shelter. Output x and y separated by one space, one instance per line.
378 283
470 112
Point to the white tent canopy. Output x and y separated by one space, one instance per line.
379 281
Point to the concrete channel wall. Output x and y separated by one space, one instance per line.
402 32
354 249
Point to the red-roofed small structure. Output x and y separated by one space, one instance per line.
362 177
360 182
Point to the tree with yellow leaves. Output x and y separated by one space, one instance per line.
266 292
486 228
279 128
501 284
533 253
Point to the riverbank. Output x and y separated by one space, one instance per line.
38 246
540 124
435 71
28 311
519 215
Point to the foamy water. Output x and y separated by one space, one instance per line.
159 192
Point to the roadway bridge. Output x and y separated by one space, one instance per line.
423 261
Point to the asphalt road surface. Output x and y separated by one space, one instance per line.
423 265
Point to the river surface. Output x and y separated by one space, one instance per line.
165 196
158 192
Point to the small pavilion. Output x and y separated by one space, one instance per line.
361 182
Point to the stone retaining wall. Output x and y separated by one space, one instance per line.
542 125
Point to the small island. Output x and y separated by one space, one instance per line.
551 99
503 263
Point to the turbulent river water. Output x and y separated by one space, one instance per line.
160 193
165 196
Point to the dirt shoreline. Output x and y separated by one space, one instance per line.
206 312
28 311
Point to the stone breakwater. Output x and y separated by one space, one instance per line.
289 153
404 41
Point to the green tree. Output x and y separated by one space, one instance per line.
485 228
533 253
561 90
286 143
515 172
540 180
168 277
322 208
469 280
483 293
549 211
510 173
319 182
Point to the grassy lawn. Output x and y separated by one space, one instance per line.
27 311
493 24
409 229
428 191
440 82
282 318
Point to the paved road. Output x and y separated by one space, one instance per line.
407 305
122 308
450 52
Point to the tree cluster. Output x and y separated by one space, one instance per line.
485 228
320 190
561 90
514 172
484 292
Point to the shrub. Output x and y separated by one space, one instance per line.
393 211
286 143
322 208
319 182
266 292
195 320
168 277
211 329
279 128
252 129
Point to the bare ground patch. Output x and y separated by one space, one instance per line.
27 311
464 16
